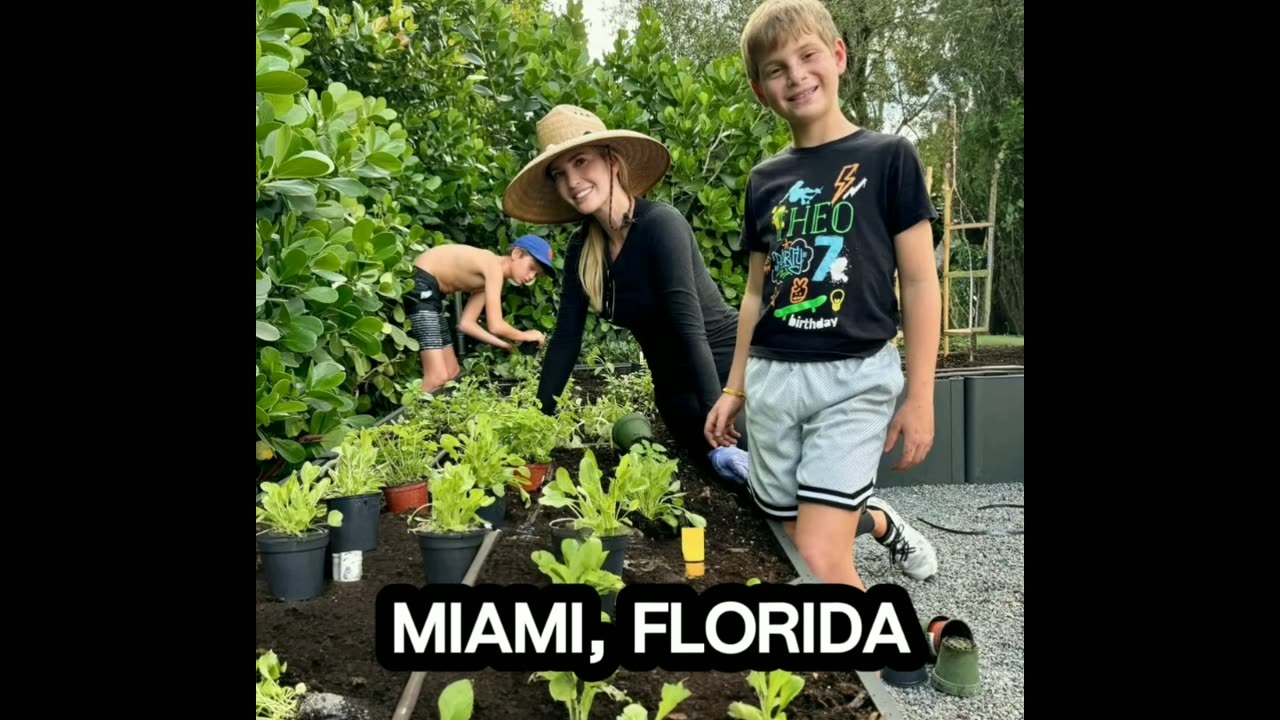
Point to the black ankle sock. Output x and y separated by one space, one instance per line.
888 529
866 524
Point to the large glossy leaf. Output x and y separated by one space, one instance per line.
347 186
386 161
306 164
264 289
322 294
281 82
292 187
327 376
267 331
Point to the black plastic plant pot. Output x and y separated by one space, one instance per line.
905 678
496 514
294 565
562 528
446 557
616 545
359 529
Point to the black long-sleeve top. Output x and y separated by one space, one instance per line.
659 289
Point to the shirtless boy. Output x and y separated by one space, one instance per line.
448 269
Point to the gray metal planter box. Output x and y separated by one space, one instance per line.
945 462
994 416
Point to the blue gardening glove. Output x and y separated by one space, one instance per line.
731 463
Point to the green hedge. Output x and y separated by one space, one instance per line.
413 118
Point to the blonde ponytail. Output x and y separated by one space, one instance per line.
591 263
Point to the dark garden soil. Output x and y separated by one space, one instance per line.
984 356
328 642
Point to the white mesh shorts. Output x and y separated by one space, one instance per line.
818 429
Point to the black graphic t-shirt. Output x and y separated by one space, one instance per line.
826 216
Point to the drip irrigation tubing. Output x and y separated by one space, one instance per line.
413 688
994 532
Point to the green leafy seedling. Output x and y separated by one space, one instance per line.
577 696
605 513
293 506
356 472
529 430
457 701
775 692
583 563
275 701
406 452
647 478
672 696
481 448
455 502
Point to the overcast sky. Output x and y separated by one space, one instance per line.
602 28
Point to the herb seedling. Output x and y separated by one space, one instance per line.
775 692
293 507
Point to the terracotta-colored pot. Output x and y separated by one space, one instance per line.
537 474
934 630
403 498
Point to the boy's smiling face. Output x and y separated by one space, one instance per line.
799 79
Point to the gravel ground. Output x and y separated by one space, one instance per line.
979 580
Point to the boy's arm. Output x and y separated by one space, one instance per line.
469 323
719 428
728 406
911 213
748 316
921 309
498 325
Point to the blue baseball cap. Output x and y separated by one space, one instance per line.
540 250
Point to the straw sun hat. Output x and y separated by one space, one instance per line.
532 195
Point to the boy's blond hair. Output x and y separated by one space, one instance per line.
776 20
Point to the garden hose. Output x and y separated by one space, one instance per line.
996 532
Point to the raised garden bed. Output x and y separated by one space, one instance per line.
978 422
945 462
328 642
994 419
985 356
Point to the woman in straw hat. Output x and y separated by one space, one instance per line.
634 262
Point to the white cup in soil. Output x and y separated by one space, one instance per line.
347 566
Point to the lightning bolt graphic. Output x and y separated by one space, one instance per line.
848 174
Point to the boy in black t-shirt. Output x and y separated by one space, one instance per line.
828 221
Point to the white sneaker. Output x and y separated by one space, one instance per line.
910 550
